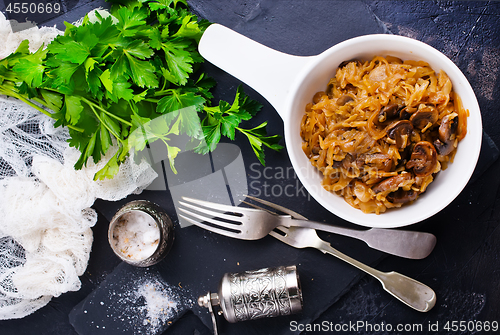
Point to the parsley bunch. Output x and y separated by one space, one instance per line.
129 79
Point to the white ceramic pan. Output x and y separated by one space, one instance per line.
288 82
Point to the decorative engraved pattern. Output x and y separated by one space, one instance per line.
259 294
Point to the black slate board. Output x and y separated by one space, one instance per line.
131 300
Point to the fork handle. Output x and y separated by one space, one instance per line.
408 290
403 243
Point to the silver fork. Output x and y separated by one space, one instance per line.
252 224
408 290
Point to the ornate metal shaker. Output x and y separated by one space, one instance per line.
250 295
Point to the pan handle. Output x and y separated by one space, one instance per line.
269 72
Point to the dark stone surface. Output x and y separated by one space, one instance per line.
464 267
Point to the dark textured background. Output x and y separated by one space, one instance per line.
464 269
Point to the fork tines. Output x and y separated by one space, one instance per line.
218 218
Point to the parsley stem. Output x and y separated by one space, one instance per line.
163 86
163 91
16 95
41 101
92 105
108 54
27 101
10 91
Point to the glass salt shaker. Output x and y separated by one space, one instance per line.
141 233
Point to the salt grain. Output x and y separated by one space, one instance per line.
136 235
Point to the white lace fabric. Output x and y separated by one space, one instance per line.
45 204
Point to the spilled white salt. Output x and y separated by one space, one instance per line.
161 304
136 235
146 305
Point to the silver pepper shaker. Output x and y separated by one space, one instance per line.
251 295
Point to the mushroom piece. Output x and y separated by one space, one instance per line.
315 150
350 165
392 183
401 196
405 155
318 96
400 131
381 161
424 117
404 114
423 159
387 113
447 135
344 63
344 99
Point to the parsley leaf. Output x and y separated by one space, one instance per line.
176 99
225 119
131 21
138 49
121 90
142 72
30 69
258 139
179 60
67 50
72 109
